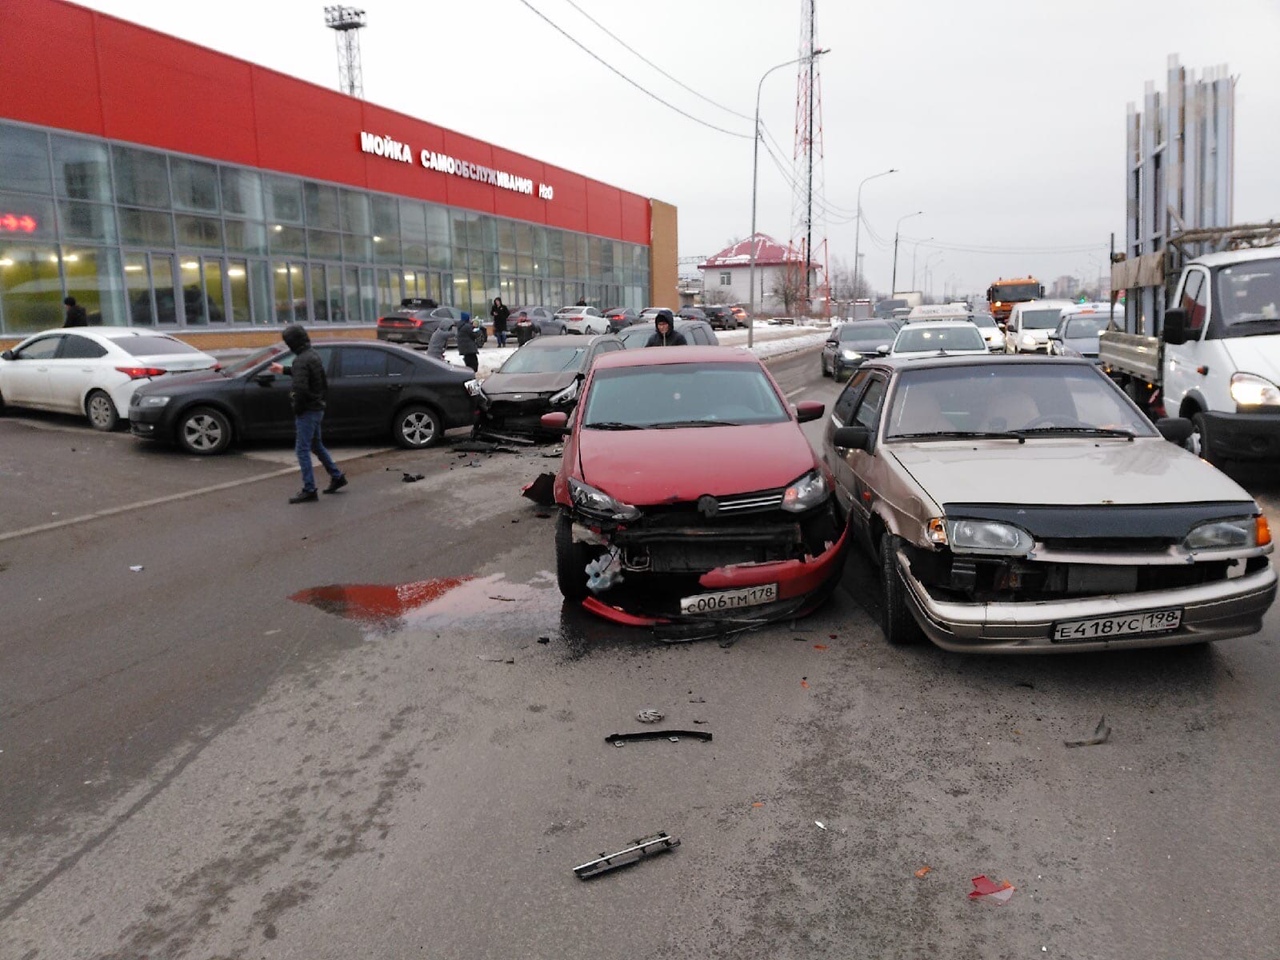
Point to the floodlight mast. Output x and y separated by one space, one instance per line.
346 23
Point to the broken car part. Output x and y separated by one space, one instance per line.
649 716
660 842
618 739
1101 734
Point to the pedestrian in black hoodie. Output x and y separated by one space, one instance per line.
664 334
310 387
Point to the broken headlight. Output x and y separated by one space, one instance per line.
597 503
566 395
989 537
473 387
1221 534
807 492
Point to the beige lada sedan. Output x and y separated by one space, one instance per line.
1026 505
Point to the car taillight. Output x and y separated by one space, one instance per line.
141 373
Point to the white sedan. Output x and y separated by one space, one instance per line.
92 372
585 320
932 338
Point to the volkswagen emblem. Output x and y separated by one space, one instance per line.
708 506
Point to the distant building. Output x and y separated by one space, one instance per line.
726 275
1065 288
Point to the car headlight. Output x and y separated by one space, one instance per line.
1222 534
989 537
1249 390
598 503
152 401
566 395
473 387
850 355
1028 340
806 493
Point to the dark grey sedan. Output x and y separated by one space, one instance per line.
852 343
1077 335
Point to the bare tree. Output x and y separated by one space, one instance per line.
788 289
714 295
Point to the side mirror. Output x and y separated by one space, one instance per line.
7 355
555 422
1040 290
807 410
1055 336
852 438
883 349
1175 327
1175 429
264 379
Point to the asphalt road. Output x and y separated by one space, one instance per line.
255 747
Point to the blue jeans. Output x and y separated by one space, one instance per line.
307 440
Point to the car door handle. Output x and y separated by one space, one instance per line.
395 387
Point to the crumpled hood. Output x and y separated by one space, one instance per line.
1064 471
504 384
645 467
1255 355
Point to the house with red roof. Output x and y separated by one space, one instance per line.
726 275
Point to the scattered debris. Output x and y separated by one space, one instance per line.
496 659
820 646
621 739
474 463
542 490
544 639
1025 683
1101 734
504 437
504 599
799 639
986 889
136 568
819 824
758 803
920 874
272 633
412 477
699 721
804 682
542 515
605 570
475 446
697 699
649 716
660 842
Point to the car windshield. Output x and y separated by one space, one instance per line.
682 394
540 359
1017 291
570 311
1004 396
959 336
1250 291
245 364
983 320
1041 319
864 332
151 346
1080 327
637 335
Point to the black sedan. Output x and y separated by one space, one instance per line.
620 317
376 390
542 319
851 343
417 319
542 376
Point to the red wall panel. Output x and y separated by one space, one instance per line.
635 219
520 206
604 210
569 209
462 192
289 115
49 66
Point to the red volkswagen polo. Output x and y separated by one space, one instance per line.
688 492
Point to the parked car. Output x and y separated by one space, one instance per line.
92 372
620 317
1078 331
1020 505
692 313
376 391
543 375
543 320
779 321
851 343
702 500
739 314
721 318
923 338
697 332
648 313
585 320
417 319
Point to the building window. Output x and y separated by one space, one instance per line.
141 177
726 278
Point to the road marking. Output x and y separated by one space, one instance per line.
795 391
142 504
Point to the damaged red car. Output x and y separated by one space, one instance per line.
688 492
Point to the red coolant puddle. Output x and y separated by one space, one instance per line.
377 604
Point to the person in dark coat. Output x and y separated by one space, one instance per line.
499 313
467 349
665 333
76 314
310 387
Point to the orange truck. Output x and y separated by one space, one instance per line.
1003 294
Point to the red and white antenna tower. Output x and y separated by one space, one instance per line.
807 251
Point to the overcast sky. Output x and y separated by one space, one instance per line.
1005 117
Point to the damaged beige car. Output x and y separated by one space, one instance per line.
1027 505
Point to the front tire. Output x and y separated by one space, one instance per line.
204 431
900 627
101 411
1199 443
417 427
571 561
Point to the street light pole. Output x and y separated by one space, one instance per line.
755 168
928 271
857 230
893 286
915 250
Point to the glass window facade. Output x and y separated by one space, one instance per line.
145 238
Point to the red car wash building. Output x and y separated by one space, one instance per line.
277 201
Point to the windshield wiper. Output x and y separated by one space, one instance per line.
1091 431
694 423
962 435
611 425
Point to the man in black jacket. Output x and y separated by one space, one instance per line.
310 387
665 334
77 316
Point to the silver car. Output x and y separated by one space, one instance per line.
1026 505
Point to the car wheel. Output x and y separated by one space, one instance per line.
900 627
571 561
204 431
1199 440
101 411
822 361
417 427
